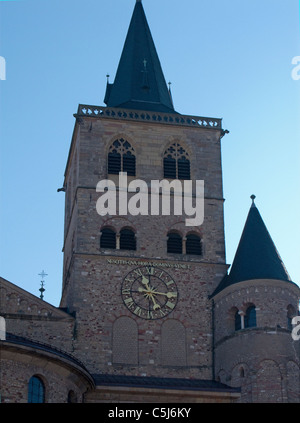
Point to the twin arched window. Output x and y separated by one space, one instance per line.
121 158
245 320
176 163
248 319
124 241
190 245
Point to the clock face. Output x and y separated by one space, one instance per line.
149 292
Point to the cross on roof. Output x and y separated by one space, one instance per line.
43 274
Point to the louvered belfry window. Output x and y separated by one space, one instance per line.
121 158
127 240
170 168
108 239
177 163
193 245
174 244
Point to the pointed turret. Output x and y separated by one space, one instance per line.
139 83
256 256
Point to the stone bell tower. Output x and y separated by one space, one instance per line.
139 285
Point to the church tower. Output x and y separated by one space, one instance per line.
139 284
150 311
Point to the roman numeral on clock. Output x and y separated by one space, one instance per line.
129 302
150 270
170 305
138 311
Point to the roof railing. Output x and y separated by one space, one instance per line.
148 116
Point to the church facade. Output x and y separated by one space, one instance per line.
150 311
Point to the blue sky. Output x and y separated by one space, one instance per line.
229 59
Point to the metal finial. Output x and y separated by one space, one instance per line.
107 76
42 289
253 198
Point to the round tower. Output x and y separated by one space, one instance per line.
254 306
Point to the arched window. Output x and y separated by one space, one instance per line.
174 244
193 245
72 397
108 239
250 317
242 372
36 390
237 321
127 240
176 163
121 158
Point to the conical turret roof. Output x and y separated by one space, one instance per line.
257 256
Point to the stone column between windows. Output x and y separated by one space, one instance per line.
242 314
184 246
118 241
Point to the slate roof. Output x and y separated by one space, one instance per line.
139 83
256 256
20 340
162 383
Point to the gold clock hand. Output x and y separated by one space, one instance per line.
156 306
147 293
145 280
143 290
167 294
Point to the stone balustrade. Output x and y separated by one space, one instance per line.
144 116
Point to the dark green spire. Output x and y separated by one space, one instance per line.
139 83
256 256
